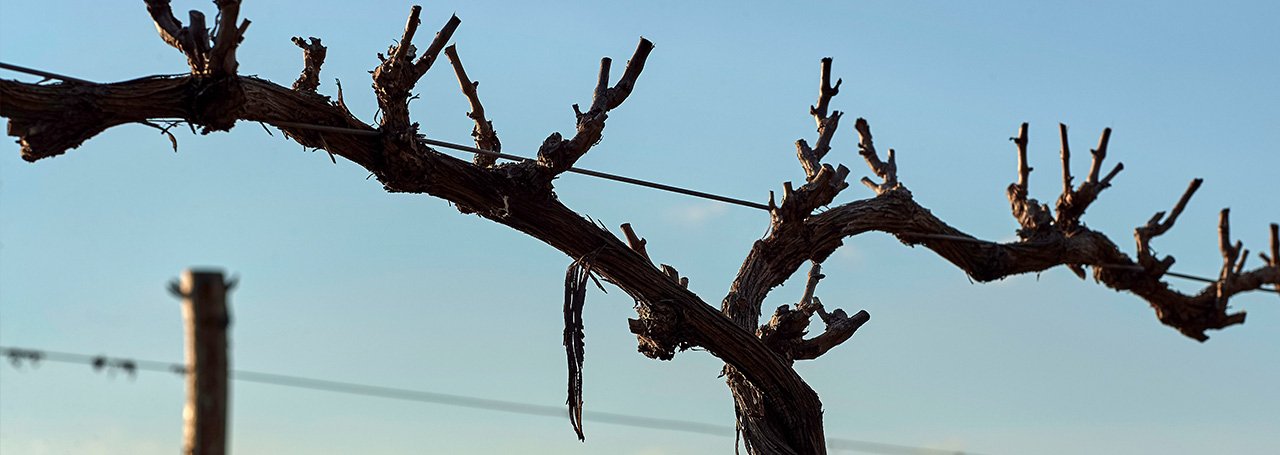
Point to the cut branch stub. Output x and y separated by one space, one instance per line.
1230 254
822 181
1066 159
886 170
557 154
811 157
826 91
840 327
205 56
483 133
222 59
636 242
1033 217
313 54
1274 260
398 73
810 286
1073 202
1157 226
1024 167
799 203
785 331
614 96
674 274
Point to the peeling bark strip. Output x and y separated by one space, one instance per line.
575 295
777 412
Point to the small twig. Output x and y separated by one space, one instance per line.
341 102
887 170
619 92
1099 154
328 149
1244 257
396 76
1033 217
437 44
1024 167
840 327
165 131
483 133
1274 260
1073 202
600 96
558 154
1158 227
826 91
806 300
636 242
404 50
1230 252
1066 160
811 157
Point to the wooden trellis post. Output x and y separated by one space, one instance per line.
205 320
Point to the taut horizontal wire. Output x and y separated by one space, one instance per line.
44 74
517 158
18 355
614 177
960 238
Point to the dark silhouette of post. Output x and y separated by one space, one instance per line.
205 319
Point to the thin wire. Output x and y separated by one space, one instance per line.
44 74
517 158
33 356
619 178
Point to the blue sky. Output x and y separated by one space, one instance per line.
341 280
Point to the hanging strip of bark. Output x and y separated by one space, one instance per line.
575 295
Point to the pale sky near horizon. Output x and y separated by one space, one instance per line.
340 280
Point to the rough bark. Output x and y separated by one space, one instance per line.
777 411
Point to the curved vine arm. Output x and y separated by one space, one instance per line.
49 120
1045 240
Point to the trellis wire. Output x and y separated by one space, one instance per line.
19 356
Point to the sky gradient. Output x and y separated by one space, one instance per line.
343 281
